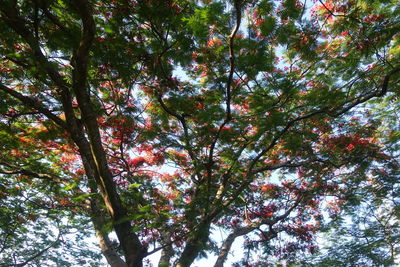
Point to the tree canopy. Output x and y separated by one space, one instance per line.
154 124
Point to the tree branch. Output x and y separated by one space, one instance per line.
332 113
226 246
38 254
386 79
131 245
287 164
182 120
35 104
238 13
232 36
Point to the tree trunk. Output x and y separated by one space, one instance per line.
194 245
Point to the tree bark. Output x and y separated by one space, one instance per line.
194 245
104 241
90 150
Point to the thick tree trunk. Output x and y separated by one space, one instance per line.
194 245
130 243
167 252
104 242
190 253
109 253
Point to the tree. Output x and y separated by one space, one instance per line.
162 121
366 232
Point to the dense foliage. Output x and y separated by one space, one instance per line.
154 124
